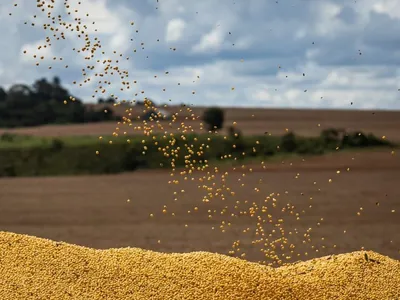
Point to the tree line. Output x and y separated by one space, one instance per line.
44 103
35 156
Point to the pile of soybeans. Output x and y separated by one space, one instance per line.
36 268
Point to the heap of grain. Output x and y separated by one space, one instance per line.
35 268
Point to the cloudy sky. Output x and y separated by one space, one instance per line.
270 53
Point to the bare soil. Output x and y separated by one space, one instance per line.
249 121
93 210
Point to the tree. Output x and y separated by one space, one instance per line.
289 143
238 146
3 95
43 90
234 133
45 112
110 100
214 118
19 97
355 139
56 81
58 92
331 136
43 103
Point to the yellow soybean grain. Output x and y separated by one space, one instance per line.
36 268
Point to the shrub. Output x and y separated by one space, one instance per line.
361 140
57 145
289 143
235 145
7 137
9 171
58 156
214 118
330 136
310 146
234 133
374 141
355 139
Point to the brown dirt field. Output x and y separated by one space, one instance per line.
93 210
252 121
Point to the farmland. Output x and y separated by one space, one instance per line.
94 211
249 121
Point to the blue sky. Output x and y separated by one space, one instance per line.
274 53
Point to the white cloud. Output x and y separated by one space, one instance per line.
89 11
175 30
321 39
389 7
326 13
335 78
36 49
212 41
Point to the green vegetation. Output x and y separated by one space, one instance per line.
47 103
34 156
214 118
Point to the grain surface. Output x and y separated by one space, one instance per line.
36 268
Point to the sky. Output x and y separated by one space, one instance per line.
255 53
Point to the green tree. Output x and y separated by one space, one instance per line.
56 81
19 97
3 95
43 90
355 139
43 103
330 136
289 143
214 118
237 142
110 100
